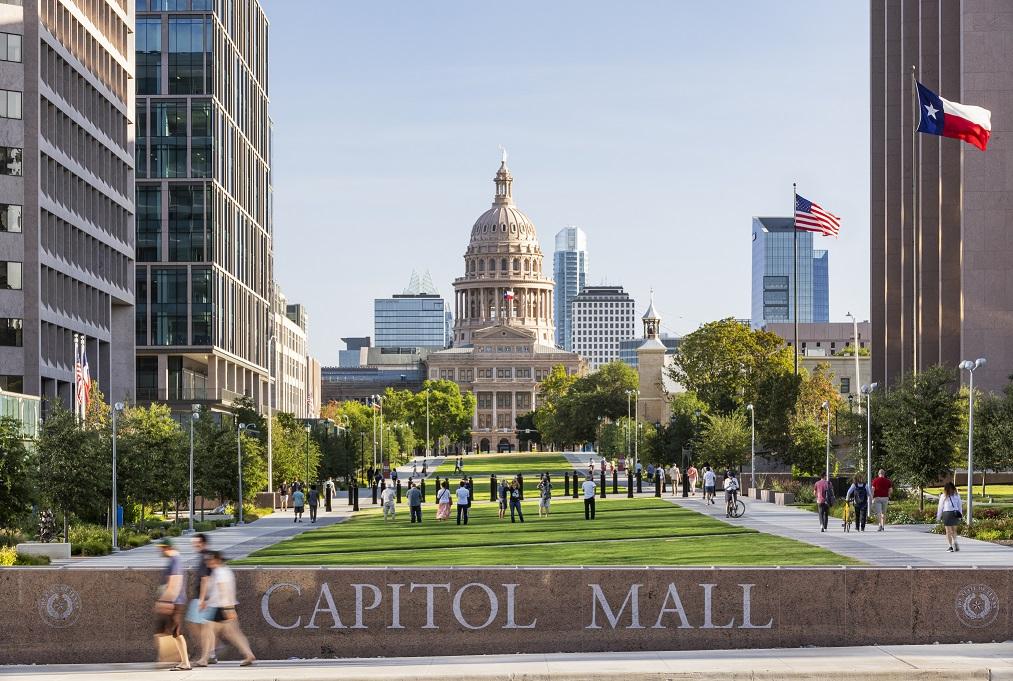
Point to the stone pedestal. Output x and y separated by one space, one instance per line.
266 500
54 550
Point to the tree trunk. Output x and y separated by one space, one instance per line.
921 498
982 483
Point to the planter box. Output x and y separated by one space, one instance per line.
784 498
767 495
752 493
55 550
267 500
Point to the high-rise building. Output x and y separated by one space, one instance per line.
773 295
66 195
603 317
569 269
939 276
416 318
296 387
204 234
503 328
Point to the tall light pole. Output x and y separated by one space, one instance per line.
117 409
271 387
858 375
372 408
752 445
427 425
636 433
243 427
308 429
194 415
867 390
629 417
969 366
826 405
381 435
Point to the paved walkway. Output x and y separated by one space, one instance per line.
898 546
964 661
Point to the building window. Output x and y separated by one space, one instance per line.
168 139
168 306
186 56
484 400
10 161
10 47
147 378
10 217
522 372
201 304
503 372
10 104
10 275
200 138
504 400
149 224
148 50
186 223
12 383
11 332
523 401
845 385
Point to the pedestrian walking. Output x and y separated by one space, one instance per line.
881 486
544 497
589 489
502 491
676 475
859 494
950 511
515 501
298 503
824 492
693 474
283 494
415 467
329 490
425 467
443 501
195 613
650 471
389 500
222 599
171 605
463 502
414 503
313 499
393 477
709 484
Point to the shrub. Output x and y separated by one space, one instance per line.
205 526
28 559
8 556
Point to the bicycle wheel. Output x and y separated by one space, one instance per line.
739 510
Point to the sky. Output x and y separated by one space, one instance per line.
659 128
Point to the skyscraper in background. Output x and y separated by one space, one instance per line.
569 269
415 318
204 234
773 295
66 195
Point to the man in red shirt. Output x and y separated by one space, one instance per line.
881 487
824 499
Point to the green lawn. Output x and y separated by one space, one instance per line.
531 466
642 531
999 494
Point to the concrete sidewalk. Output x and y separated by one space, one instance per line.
962 661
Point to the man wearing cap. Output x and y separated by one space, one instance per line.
171 604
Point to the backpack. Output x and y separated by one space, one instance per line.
861 494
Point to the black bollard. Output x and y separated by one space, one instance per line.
602 493
685 485
374 493
629 484
471 488
566 484
664 482
349 486
615 481
422 488
399 491
355 496
492 487
640 482
657 484
520 485
575 476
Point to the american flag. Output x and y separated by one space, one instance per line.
812 218
82 377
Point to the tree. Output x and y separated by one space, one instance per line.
527 431
289 450
723 362
551 392
724 440
572 407
16 489
993 433
921 426
807 446
75 465
450 412
153 457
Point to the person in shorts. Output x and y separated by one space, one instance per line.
283 494
881 486
501 494
171 604
389 507
731 490
544 497
298 505
709 484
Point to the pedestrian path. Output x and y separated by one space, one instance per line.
413 469
898 546
985 661
237 541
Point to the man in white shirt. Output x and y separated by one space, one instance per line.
709 484
220 604
387 497
463 502
589 489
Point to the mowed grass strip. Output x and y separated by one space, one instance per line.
643 531
481 466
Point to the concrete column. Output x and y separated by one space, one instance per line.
513 410
494 421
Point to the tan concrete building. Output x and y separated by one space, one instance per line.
503 323
940 266
653 363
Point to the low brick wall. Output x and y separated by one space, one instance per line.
60 615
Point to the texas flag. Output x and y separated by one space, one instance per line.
939 116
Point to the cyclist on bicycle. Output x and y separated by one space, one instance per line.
731 492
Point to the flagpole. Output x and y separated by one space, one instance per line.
794 258
915 222
77 363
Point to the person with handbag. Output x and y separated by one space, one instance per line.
950 512
171 604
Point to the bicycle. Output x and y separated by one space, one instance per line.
734 507
847 517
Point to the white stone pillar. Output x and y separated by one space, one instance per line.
513 409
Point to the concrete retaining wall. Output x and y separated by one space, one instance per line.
60 615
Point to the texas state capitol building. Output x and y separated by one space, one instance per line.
504 333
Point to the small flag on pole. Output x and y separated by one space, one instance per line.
84 387
508 294
811 218
938 116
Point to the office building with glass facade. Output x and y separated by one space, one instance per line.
602 318
773 295
410 321
204 236
569 269
66 196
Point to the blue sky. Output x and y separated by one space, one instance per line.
660 128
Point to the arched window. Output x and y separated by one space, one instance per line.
517 264
527 265
503 264
481 265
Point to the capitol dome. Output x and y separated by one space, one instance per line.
503 221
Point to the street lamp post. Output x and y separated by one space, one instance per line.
752 445
271 387
629 415
867 390
117 409
636 432
194 415
372 408
427 426
969 366
826 405
243 427
858 376
308 429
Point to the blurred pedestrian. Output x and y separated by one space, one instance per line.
298 504
313 499
225 622
589 488
171 605
195 613
693 474
502 491
283 494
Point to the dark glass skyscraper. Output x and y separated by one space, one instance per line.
569 269
204 237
